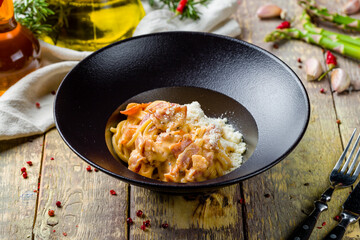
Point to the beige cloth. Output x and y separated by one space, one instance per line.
19 115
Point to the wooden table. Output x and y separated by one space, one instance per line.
267 206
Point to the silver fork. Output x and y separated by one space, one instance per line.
337 179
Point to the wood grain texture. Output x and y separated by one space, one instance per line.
214 216
89 211
347 105
275 202
299 179
17 196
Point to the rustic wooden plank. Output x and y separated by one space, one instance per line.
300 179
88 209
346 105
214 216
17 196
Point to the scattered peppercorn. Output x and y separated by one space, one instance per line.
306 184
139 213
284 25
58 204
96 170
37 105
275 46
299 60
323 224
338 121
242 201
51 213
267 195
52 158
165 225
24 174
143 227
65 234
112 192
319 227
88 168
147 223
300 66
53 92
129 221
322 90
23 169
337 218
29 163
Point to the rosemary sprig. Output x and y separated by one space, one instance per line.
190 11
33 14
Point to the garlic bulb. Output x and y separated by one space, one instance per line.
313 69
270 11
352 6
340 80
355 83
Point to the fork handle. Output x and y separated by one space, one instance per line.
304 230
338 232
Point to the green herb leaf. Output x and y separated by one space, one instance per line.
33 14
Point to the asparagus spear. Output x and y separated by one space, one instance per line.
309 26
339 46
342 21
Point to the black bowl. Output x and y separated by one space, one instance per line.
259 94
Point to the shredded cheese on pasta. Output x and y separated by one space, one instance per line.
176 143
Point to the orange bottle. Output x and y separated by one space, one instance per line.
19 49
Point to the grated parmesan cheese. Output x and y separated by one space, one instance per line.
221 132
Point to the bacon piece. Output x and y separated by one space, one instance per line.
179 147
135 161
167 115
127 135
200 163
184 159
133 108
147 116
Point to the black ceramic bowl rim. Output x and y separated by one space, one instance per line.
201 186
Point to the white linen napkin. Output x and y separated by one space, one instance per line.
27 107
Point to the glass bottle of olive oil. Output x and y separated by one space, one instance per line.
19 49
88 25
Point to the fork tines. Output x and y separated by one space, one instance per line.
347 162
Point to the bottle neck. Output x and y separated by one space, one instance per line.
7 19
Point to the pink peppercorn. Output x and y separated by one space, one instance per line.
51 213
284 25
129 221
139 213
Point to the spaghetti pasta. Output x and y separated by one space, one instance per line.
176 143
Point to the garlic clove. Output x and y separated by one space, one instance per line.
355 83
352 6
269 11
313 69
340 80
